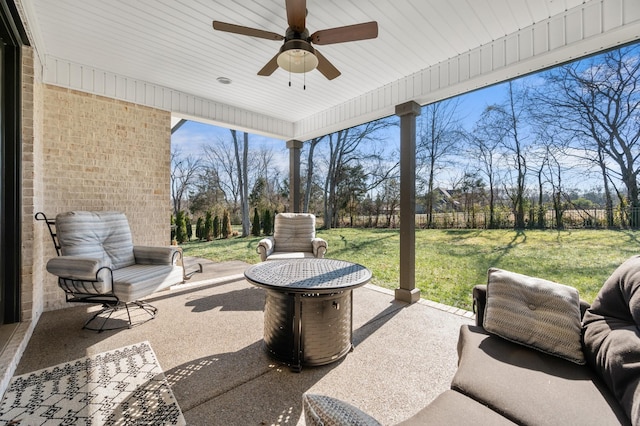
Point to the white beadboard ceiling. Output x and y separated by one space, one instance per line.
165 54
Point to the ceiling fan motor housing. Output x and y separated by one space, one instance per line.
294 35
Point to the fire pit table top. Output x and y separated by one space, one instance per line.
308 275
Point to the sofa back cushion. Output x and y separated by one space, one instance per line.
102 235
294 231
612 335
534 312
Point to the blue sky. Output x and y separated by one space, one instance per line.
192 135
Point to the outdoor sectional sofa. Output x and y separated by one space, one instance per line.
537 356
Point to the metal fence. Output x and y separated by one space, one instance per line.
569 219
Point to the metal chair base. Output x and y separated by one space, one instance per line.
124 315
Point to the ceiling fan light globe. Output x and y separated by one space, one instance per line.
297 56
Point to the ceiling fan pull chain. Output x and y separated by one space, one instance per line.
289 71
304 74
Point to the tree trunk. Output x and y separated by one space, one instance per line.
310 167
430 193
242 166
540 222
492 207
520 162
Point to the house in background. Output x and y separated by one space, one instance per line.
88 92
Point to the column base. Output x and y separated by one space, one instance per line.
407 296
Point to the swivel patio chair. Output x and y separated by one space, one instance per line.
98 263
294 236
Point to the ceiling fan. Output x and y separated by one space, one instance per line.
297 53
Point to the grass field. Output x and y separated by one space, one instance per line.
450 262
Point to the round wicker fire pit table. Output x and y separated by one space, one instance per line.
308 318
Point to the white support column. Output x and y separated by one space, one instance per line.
294 174
408 292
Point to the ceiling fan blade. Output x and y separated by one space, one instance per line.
239 29
271 66
355 32
325 67
297 14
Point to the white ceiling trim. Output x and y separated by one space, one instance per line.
582 30
60 72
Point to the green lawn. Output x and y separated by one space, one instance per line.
450 262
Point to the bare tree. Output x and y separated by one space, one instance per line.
265 178
242 165
599 102
541 166
310 170
554 177
219 159
509 124
208 191
483 145
471 187
240 175
345 148
184 171
439 136
390 199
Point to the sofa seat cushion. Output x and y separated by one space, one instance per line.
612 335
452 408
137 281
528 386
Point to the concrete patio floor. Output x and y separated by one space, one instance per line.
207 337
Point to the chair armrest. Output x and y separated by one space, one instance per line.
77 267
157 255
265 247
319 247
479 302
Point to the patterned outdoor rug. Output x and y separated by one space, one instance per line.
125 386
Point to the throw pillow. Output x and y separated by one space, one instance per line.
612 335
320 410
537 313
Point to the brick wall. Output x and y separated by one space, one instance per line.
104 154
31 271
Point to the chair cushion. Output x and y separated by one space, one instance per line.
290 255
101 235
294 231
530 387
137 281
612 335
540 314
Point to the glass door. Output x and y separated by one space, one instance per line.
12 37
2 275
